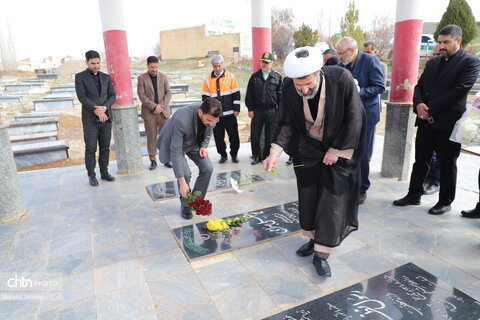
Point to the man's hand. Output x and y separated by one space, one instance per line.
99 110
329 158
235 113
271 162
158 109
183 187
203 152
250 114
422 111
103 117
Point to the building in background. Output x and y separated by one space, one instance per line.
205 40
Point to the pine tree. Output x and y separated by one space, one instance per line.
458 12
348 24
305 36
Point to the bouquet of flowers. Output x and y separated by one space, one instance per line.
224 224
467 129
198 204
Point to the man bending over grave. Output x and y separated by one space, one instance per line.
188 133
321 124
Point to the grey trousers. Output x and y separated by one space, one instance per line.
205 169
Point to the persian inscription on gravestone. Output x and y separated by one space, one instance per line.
407 292
197 242
168 190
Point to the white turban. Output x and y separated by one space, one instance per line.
300 64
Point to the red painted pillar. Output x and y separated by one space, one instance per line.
399 124
261 30
406 50
125 115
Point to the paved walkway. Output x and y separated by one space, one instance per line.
119 260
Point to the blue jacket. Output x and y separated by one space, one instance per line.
369 74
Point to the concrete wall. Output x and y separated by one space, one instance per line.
193 42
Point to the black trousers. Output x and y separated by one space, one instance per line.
229 124
93 133
262 117
447 152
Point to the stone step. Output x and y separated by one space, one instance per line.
65 88
40 152
30 126
18 87
47 76
34 137
31 115
55 103
10 99
179 88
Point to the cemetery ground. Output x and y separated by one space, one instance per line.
114 253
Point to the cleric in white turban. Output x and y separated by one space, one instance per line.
320 123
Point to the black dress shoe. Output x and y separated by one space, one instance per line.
107 176
153 165
474 213
187 213
362 198
168 164
429 188
93 181
322 267
439 209
407 201
235 159
255 161
222 160
306 249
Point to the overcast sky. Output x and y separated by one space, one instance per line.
42 28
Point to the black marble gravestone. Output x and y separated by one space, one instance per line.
407 292
197 242
168 190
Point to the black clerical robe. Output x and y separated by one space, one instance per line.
328 195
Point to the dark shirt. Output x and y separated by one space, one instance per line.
200 131
443 63
154 82
96 79
313 103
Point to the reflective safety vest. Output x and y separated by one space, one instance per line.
225 89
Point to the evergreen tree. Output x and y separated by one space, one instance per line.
348 24
458 12
305 36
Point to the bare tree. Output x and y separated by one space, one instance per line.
157 51
381 34
8 57
282 31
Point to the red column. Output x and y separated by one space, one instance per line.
116 50
261 31
406 51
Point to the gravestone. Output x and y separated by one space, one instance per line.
168 190
179 88
261 225
31 115
55 103
407 292
35 125
17 87
47 76
10 99
63 89
40 152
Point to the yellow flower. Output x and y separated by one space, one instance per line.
217 225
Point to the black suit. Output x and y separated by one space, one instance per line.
445 95
95 131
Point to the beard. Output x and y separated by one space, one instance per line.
311 93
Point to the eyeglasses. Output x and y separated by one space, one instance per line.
343 52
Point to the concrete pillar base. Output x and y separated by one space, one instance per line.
127 139
12 206
397 148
